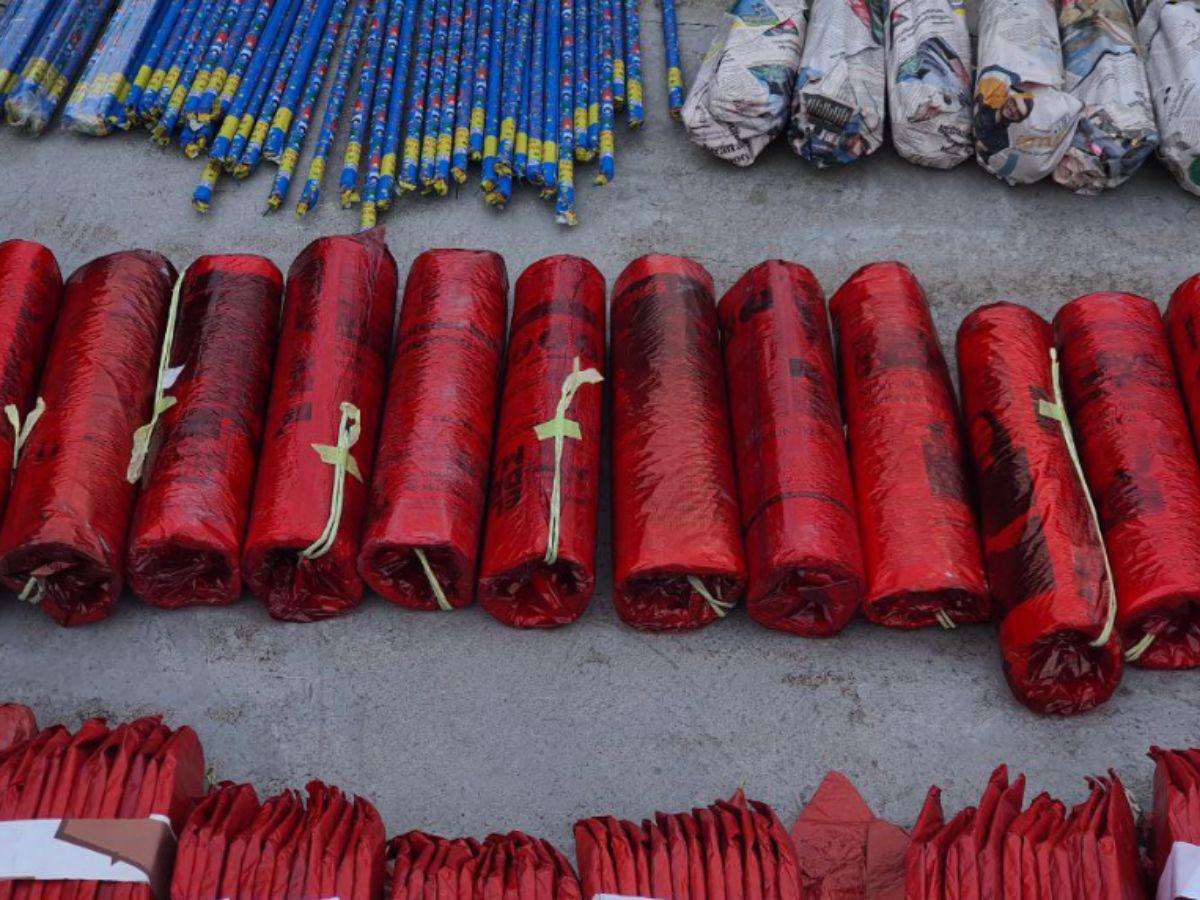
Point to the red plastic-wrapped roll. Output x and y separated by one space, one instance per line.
539 555
188 525
919 538
63 541
1137 452
677 543
805 569
431 474
326 401
30 290
1045 561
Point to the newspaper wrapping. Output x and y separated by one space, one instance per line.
1169 31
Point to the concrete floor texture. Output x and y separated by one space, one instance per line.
456 724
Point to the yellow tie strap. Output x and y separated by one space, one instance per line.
338 456
165 379
21 430
719 606
434 585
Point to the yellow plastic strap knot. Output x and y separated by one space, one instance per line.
21 430
719 606
34 591
338 456
165 379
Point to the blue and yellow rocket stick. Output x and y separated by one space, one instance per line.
503 39
564 206
314 43
227 78
427 26
490 11
384 83
360 122
434 98
674 64
459 154
583 72
536 104
551 116
455 52
633 56
607 139
153 98
514 82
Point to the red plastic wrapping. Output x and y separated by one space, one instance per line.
17 725
71 502
205 840
1176 814
676 531
1137 452
190 518
431 472
30 291
805 568
555 348
1045 562
919 537
331 363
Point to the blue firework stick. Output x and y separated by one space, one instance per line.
35 71
31 102
262 86
388 166
616 9
169 66
459 154
520 155
333 108
149 64
308 106
502 59
312 45
514 83
595 74
385 80
427 26
607 139
174 107
583 150
364 96
434 97
564 206
536 103
481 77
214 54
227 78
455 52
633 57
23 25
501 193
550 115
670 26
196 138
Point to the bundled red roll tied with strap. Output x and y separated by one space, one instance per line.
431 473
919 538
1045 560
188 525
326 401
805 569
63 541
30 291
1137 452
539 556
677 542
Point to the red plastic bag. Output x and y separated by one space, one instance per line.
431 474
30 291
188 525
326 400
678 558
538 568
1045 562
63 543
805 569
206 838
17 725
920 541
1140 462
1176 814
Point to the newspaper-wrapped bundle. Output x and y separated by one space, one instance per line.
1024 120
740 99
929 81
1104 71
1169 32
838 106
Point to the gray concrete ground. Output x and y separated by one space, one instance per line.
457 724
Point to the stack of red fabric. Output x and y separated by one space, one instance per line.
728 851
235 849
1175 851
1040 853
512 866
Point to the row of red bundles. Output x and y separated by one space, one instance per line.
1045 561
732 850
511 866
94 813
233 848
677 543
1040 853
1175 849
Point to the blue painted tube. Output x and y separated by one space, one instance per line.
455 53
595 74
583 149
386 187
225 80
314 40
503 38
414 116
152 57
607 139
499 195
174 107
39 58
214 54
520 154
535 104
488 12
382 106
361 120
434 96
257 97
24 23
150 103
618 51
633 71
514 83
459 154
670 26
564 206
550 116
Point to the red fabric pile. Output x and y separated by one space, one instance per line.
1041 853
538 568
1045 562
63 541
139 771
805 568
732 850
1137 452
511 866
919 537
30 291
301 551
233 848
1175 850
187 531
677 543
431 474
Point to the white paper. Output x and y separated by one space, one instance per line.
31 849
1181 876
1169 32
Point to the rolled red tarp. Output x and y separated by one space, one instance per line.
431 471
63 542
1045 560
677 543
805 568
919 537
190 518
326 401
30 291
1137 452
538 568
